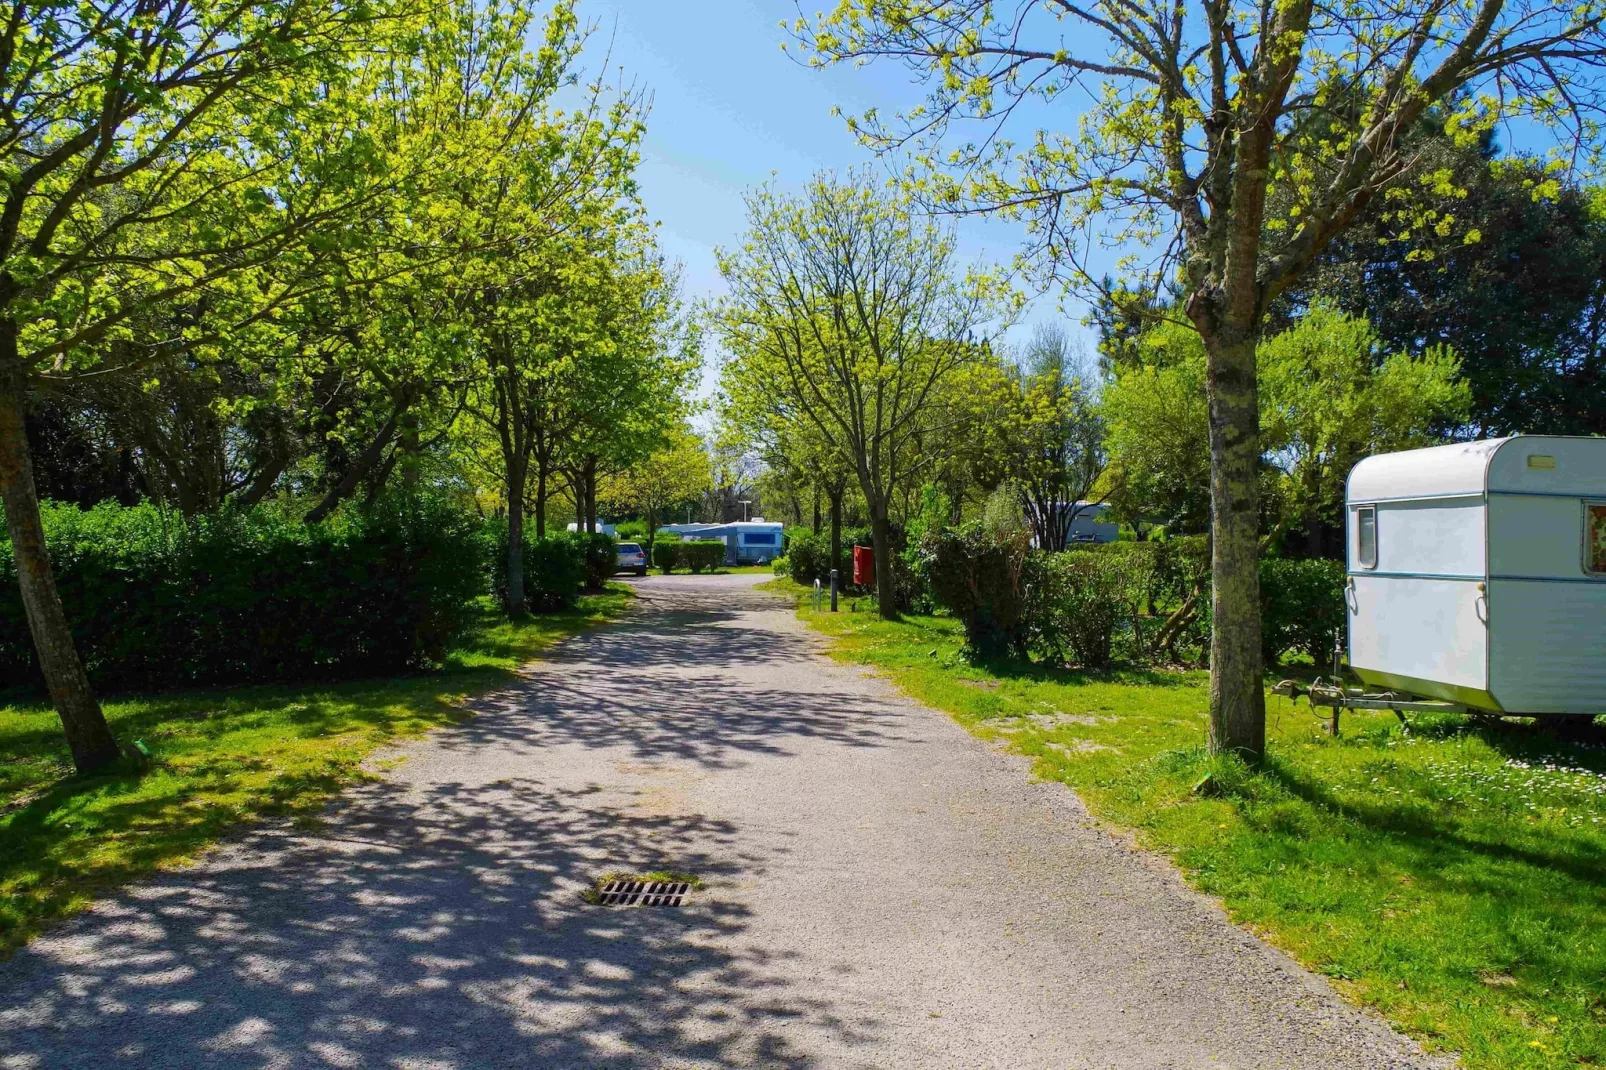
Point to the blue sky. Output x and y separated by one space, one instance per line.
730 110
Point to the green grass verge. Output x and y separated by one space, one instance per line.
220 759
1453 877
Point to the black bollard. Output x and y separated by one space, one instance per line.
833 590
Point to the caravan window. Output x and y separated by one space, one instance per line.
1366 536
761 538
1595 538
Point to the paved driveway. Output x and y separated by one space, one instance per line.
882 891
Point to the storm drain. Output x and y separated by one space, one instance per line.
633 892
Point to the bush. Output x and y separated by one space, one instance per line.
1301 608
156 601
976 574
1080 599
600 554
781 566
702 556
666 554
809 556
554 570
1130 574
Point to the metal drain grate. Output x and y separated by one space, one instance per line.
628 892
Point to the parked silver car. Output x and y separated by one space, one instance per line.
632 558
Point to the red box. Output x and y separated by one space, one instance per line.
863 566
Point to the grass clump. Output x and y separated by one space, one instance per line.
220 759
1452 876
593 893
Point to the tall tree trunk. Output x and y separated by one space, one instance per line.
515 539
816 510
881 539
381 475
1237 697
836 533
540 499
365 463
88 735
411 451
589 486
265 481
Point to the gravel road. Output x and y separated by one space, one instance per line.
882 890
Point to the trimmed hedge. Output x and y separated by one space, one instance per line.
1098 604
808 555
1088 605
666 555
244 596
600 553
554 569
702 556
1302 608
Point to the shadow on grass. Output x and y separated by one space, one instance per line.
1434 830
1035 672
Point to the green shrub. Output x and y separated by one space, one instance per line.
1301 608
976 574
554 570
703 555
781 566
631 531
810 555
666 553
1129 575
157 601
1182 567
1079 600
600 554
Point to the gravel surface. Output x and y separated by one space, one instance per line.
882 890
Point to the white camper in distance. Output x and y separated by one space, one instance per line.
1477 573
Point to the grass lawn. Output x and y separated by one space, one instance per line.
1453 877
220 759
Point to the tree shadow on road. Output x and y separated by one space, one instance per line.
443 924
442 927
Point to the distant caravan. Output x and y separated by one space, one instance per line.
747 542
1089 525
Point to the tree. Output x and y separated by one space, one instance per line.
674 474
153 152
1329 395
1516 305
1190 124
638 378
756 419
850 308
1159 432
1052 437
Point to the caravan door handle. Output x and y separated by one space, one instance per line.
1351 599
1480 605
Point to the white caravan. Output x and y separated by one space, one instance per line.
1477 573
